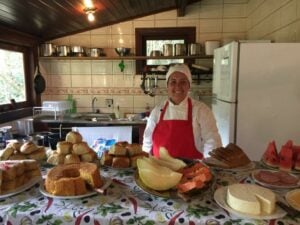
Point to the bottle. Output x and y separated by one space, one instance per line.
72 103
117 112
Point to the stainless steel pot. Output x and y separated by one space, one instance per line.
77 51
63 50
168 49
95 52
194 49
46 49
25 126
180 49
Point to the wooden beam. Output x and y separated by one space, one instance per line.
181 5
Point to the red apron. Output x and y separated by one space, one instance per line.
176 136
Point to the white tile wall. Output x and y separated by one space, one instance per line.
214 20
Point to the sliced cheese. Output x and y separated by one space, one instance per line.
251 199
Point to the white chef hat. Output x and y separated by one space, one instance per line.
182 68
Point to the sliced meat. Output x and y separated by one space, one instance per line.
267 177
287 179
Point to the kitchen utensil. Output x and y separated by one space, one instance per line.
63 50
180 49
77 51
25 126
168 49
96 52
194 49
46 49
155 53
39 82
122 51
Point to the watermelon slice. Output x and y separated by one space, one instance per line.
286 158
271 157
296 157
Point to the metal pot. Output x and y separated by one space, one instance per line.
63 50
46 49
77 51
168 49
95 52
194 49
25 126
180 49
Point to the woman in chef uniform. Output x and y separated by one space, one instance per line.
184 126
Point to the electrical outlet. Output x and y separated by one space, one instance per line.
109 102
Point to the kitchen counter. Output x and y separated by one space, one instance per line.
87 121
125 202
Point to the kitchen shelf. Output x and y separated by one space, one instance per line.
124 57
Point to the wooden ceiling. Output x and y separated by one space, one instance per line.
50 19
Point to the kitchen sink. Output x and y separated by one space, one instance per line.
97 117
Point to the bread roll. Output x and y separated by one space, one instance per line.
118 150
56 159
17 156
6 153
71 158
80 148
134 149
15 144
120 162
38 155
28 147
74 137
88 157
64 147
106 159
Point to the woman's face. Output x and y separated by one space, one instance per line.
178 86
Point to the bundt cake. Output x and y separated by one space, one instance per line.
72 179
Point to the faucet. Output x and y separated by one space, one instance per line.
93 104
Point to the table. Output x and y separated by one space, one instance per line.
126 203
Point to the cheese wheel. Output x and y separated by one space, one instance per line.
251 199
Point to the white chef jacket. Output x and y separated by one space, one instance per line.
206 135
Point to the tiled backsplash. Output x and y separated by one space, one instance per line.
85 79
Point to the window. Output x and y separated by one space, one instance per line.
12 77
146 39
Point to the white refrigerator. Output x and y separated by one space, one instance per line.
256 94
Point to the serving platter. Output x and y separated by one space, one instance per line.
292 200
263 164
220 198
89 192
171 193
275 179
247 167
22 188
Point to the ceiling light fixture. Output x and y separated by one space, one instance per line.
90 13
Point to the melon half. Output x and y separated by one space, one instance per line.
155 176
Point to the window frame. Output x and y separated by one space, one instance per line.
188 34
26 58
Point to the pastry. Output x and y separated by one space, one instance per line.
71 179
88 157
39 154
74 137
133 149
106 159
6 153
120 162
71 158
28 147
64 147
80 148
56 159
118 149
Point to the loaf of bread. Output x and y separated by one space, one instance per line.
80 148
64 147
118 150
121 162
231 156
28 147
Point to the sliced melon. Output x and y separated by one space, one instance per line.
164 155
270 156
286 158
169 164
157 177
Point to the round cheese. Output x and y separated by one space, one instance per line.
251 199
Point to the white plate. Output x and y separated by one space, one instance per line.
89 193
220 198
22 188
283 186
276 168
290 201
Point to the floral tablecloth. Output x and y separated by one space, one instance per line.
124 202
